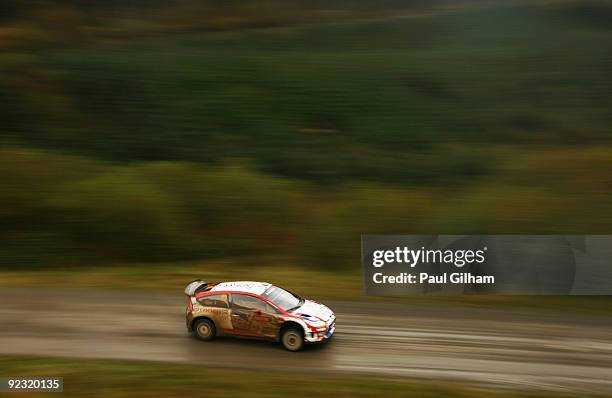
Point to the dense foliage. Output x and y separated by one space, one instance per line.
197 129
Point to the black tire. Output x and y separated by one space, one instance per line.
292 339
204 329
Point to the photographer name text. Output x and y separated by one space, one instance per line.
424 277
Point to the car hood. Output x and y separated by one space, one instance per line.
312 308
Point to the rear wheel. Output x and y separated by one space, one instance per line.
204 329
292 339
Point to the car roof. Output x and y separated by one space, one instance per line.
242 286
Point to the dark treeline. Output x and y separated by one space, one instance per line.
171 130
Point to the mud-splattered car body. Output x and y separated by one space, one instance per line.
256 310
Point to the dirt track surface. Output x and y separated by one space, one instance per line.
523 349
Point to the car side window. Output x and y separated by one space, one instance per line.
270 309
250 303
215 300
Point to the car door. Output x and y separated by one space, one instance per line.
252 316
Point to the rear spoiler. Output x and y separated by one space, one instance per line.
196 286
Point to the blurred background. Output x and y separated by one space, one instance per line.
148 131
145 143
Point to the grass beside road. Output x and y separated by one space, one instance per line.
312 283
173 277
105 378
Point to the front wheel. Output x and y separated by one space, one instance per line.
204 329
292 339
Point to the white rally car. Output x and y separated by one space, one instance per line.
257 310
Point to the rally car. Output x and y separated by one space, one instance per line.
258 310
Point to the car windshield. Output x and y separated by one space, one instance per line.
284 299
